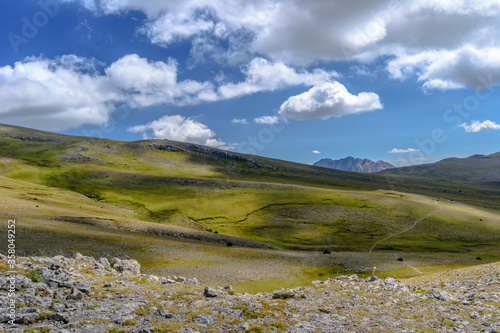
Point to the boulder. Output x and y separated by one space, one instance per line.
209 292
441 295
24 315
75 295
58 307
193 281
52 265
164 313
104 263
84 287
123 266
61 317
203 319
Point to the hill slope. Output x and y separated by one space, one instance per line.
279 203
474 168
474 180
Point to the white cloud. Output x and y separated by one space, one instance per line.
450 69
263 75
55 94
444 44
401 151
68 92
170 27
477 126
179 128
456 41
439 84
268 120
239 121
146 83
316 152
330 99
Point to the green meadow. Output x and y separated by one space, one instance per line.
225 217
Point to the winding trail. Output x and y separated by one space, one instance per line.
415 269
408 229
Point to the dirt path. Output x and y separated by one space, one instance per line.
407 229
415 269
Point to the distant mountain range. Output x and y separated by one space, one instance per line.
354 164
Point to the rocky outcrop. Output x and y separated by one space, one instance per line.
354 164
84 294
82 158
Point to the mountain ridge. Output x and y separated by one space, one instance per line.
354 164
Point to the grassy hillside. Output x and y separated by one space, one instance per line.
474 180
53 221
215 192
137 197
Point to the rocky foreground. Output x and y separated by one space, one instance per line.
85 294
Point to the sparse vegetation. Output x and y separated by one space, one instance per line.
186 190
34 276
141 312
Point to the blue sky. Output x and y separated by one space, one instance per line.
408 82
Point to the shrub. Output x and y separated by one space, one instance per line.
129 322
44 316
141 312
327 251
229 244
115 330
34 276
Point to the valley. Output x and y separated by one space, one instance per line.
226 217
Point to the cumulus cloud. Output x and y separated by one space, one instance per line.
477 126
179 128
67 92
263 75
55 94
268 120
239 121
402 151
450 69
146 83
316 152
170 27
331 99
447 44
